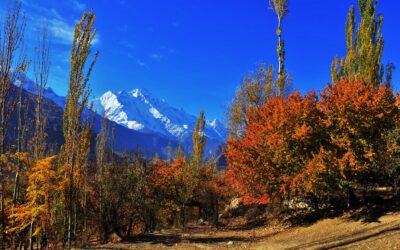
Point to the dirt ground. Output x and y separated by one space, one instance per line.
343 232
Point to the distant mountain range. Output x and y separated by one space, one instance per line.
143 122
139 110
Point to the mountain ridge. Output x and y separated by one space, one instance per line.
139 110
165 125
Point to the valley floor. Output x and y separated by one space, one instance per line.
339 233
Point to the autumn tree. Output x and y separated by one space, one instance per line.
175 186
177 181
103 163
391 166
199 139
12 63
76 134
303 146
357 115
213 191
126 204
364 47
258 87
280 137
255 89
37 214
41 69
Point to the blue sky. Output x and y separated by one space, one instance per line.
195 53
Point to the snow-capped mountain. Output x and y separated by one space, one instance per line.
142 122
48 93
139 110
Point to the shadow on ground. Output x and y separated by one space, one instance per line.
172 239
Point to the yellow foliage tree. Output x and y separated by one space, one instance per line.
43 184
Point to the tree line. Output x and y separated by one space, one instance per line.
321 147
318 147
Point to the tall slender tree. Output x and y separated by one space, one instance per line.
199 139
364 47
76 101
101 162
12 63
280 7
257 88
41 68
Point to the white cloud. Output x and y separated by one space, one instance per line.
156 57
61 30
78 5
140 63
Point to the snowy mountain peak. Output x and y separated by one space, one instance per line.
31 87
139 110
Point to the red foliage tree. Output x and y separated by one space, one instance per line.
302 146
279 140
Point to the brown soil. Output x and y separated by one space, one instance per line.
339 233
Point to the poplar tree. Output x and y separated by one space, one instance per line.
12 63
199 139
76 144
364 47
257 88
280 7
41 70
101 162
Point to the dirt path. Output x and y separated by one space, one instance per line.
339 233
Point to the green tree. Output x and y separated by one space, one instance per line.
364 47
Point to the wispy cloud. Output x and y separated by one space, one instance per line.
156 57
166 49
140 63
78 5
128 45
61 30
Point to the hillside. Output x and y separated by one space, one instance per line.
141 121
146 143
337 233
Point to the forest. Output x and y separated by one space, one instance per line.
288 154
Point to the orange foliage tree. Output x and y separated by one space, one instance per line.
174 184
308 146
280 137
37 212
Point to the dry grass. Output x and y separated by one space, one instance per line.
344 232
